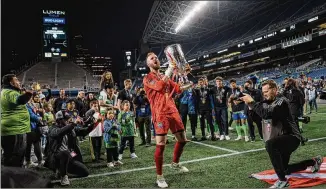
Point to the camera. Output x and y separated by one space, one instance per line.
304 119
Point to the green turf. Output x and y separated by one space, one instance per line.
232 171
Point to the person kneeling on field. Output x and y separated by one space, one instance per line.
63 153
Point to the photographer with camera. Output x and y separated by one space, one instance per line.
143 116
280 132
258 97
296 98
63 153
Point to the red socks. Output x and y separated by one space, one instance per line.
158 156
178 149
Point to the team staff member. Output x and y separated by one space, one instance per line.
204 108
159 89
220 96
279 129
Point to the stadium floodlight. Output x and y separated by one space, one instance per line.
199 5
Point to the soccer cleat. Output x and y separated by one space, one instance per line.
177 166
120 157
110 165
193 138
222 137
231 128
147 145
247 139
227 137
280 184
65 181
160 181
238 138
318 161
133 156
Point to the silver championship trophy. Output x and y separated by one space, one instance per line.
175 55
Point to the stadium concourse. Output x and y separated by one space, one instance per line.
257 97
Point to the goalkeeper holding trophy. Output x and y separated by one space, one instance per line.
159 90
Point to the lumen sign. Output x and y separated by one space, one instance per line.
52 12
296 41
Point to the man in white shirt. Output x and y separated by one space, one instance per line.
107 99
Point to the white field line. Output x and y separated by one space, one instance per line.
211 146
184 162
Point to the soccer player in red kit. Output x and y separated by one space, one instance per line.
159 89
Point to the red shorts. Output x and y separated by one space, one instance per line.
171 121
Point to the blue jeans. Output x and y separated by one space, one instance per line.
312 103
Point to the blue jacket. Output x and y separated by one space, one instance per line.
33 117
109 128
189 97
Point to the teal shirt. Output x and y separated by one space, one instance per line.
14 117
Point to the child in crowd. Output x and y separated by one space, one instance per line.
48 118
95 136
111 138
128 130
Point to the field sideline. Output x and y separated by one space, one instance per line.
226 164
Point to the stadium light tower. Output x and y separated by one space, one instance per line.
197 7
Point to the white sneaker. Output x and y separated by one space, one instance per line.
133 155
160 181
177 166
227 137
117 163
110 165
222 137
120 157
247 139
231 128
31 164
65 181
238 138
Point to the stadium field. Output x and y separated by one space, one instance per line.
212 164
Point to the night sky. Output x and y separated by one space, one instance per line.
108 27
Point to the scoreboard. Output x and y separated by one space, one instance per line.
55 42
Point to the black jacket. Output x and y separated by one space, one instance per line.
296 100
55 138
279 112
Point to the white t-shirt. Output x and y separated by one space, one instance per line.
104 97
97 131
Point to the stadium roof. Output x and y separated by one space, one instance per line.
217 22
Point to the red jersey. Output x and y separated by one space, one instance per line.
159 94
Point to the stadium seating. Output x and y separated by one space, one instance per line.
69 75
43 73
